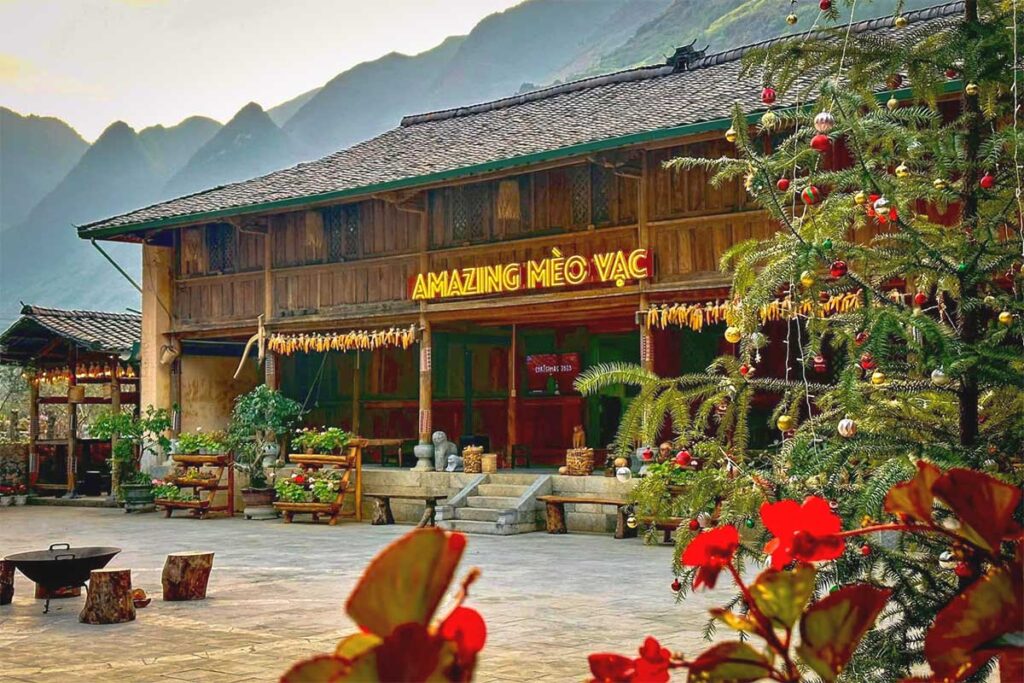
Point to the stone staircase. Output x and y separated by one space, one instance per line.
502 504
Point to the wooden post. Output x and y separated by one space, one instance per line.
356 382
555 518
644 242
646 339
271 376
426 382
268 280
33 430
115 406
109 599
513 392
186 576
72 425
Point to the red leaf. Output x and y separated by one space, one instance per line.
913 499
411 654
962 633
319 669
611 668
730 662
832 627
406 581
983 504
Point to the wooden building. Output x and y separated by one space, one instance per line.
522 238
72 359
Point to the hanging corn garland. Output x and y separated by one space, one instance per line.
695 316
356 340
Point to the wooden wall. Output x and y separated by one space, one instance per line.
358 258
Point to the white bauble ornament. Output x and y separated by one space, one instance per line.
623 474
881 205
939 377
947 560
704 520
847 428
824 122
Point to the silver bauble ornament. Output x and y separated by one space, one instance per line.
824 122
881 205
939 377
704 520
947 560
847 428
758 340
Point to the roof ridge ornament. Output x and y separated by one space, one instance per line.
685 56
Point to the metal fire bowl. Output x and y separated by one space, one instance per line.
62 565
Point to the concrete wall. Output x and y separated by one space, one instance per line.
157 293
208 390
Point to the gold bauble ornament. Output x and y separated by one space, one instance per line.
621 462
860 197
902 171
807 278
900 22
892 104
733 334
769 119
792 19
731 135
972 89
939 184
1005 318
877 377
785 423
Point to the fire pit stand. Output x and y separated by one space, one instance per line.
61 565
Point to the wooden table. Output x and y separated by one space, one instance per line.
382 515
387 443
556 513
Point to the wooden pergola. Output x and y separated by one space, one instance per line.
80 348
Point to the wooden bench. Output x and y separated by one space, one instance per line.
666 525
382 514
556 513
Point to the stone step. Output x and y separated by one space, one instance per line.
493 502
502 490
489 528
478 514
506 477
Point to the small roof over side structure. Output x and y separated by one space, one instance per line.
44 336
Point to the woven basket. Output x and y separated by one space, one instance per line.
579 462
472 457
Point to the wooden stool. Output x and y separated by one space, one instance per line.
109 599
185 576
6 582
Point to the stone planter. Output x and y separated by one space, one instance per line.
137 497
21 499
6 501
259 503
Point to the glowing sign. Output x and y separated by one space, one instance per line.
555 271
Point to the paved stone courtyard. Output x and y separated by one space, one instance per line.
277 594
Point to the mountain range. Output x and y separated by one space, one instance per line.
51 179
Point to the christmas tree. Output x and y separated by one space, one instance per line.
890 161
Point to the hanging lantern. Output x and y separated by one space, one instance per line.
847 428
824 122
821 143
768 95
807 278
818 362
731 134
782 184
939 377
733 334
811 195
837 269
785 423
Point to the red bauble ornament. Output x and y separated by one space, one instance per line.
861 337
963 570
819 363
825 5
744 369
676 586
920 298
821 143
867 361
987 181
768 94
811 195
782 184
648 454
683 458
837 269
694 525
865 550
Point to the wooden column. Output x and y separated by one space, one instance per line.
115 406
271 374
33 430
513 391
644 242
426 382
72 423
357 380
268 280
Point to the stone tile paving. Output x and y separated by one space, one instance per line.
277 591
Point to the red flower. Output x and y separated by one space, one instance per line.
710 551
611 668
299 479
652 664
804 532
466 628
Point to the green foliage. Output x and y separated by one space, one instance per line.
258 419
193 443
290 492
165 491
326 441
324 490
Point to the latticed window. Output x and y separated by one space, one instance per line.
220 248
341 231
601 184
580 194
468 210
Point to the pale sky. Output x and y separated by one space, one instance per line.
92 62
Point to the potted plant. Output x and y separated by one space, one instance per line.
189 443
332 441
6 495
259 419
20 494
133 436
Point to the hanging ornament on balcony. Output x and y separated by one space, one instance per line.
825 5
837 269
807 278
768 94
1005 318
819 364
733 334
811 195
821 143
893 104
769 120
939 377
987 181
847 428
824 122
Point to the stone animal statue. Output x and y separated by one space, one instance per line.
579 437
442 449
454 463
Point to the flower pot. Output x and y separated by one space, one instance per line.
137 497
259 503
6 500
21 499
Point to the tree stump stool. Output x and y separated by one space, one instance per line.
109 598
185 576
6 582
555 519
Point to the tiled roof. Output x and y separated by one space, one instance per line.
467 140
97 331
